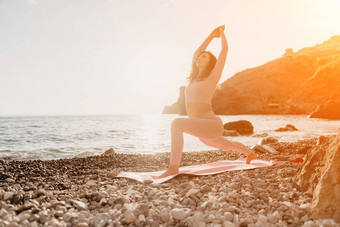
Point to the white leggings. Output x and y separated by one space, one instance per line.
208 128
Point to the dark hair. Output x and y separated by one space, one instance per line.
205 73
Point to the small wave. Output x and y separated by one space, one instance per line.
113 130
22 155
58 139
70 148
55 150
11 140
84 154
5 151
35 126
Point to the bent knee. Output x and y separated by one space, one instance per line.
176 122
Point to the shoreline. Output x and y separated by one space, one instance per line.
79 192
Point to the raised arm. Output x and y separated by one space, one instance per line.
217 70
214 34
202 48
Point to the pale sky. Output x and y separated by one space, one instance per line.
131 56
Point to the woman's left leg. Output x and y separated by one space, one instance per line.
206 125
225 144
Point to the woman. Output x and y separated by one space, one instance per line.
202 122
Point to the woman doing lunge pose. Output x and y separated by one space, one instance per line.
202 122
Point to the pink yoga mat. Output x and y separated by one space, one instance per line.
200 170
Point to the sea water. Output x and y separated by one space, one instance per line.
55 137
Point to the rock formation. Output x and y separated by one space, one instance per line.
329 110
319 176
295 83
179 106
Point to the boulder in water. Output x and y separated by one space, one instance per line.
287 128
109 152
243 127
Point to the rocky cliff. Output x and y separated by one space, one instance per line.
319 176
296 83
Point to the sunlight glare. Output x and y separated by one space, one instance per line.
152 128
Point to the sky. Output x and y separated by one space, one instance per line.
82 57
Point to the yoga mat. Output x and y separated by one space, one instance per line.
199 170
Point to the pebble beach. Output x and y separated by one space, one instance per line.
82 192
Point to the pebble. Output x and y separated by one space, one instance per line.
59 213
91 183
125 199
305 206
41 192
274 217
100 220
262 220
7 196
67 217
210 218
81 224
196 220
103 202
206 189
129 217
79 205
141 217
229 216
228 224
55 223
43 216
113 174
143 209
10 180
179 214
103 194
165 216
309 224
247 221
23 216
192 191
55 203
148 181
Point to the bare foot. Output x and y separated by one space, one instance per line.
169 172
250 157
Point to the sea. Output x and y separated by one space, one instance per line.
58 137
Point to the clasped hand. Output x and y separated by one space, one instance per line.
217 32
